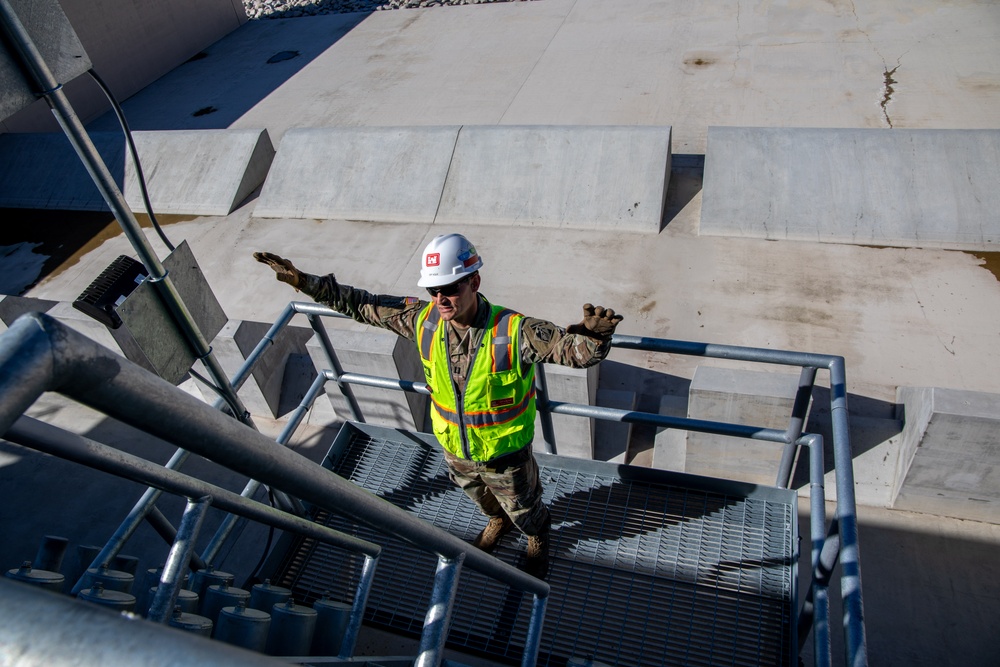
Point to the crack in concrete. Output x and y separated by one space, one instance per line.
739 43
887 91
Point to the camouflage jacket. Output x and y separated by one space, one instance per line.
541 340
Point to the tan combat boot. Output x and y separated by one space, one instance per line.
537 563
494 531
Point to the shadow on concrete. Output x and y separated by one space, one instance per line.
687 173
220 84
872 422
931 596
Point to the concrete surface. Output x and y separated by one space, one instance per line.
130 48
386 174
950 457
571 177
913 188
900 316
206 172
41 170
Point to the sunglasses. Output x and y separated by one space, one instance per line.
449 290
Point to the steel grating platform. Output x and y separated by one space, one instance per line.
648 567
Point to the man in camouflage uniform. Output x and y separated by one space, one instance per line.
497 469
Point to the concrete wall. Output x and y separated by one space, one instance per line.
131 44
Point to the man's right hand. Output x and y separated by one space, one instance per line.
285 271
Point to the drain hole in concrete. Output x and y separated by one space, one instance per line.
282 55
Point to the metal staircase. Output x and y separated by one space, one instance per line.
649 567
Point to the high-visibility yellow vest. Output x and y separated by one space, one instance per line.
497 414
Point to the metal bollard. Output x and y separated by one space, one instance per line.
243 627
292 629
112 599
50 581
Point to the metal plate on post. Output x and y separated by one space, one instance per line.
55 39
148 335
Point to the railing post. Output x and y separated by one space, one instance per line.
335 367
358 608
438 620
178 559
534 637
807 377
544 413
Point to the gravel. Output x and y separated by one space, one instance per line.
283 9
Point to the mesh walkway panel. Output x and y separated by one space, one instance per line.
648 567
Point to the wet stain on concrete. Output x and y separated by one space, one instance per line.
282 56
695 61
64 237
991 261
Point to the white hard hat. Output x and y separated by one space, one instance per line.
448 259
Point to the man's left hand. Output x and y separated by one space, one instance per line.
598 322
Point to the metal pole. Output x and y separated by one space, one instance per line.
438 620
350 639
228 525
807 377
815 613
177 560
534 637
69 362
166 530
542 403
856 644
40 628
51 90
72 447
335 367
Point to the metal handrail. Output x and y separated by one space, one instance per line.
839 544
39 354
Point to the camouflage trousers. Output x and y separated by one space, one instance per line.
507 485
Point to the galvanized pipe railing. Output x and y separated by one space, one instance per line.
177 559
38 354
846 520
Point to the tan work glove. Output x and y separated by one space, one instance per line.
598 322
285 270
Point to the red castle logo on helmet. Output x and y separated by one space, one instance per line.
433 259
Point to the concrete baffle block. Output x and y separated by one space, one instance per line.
12 307
670 444
198 172
949 461
577 177
751 398
867 188
387 174
377 352
195 172
611 439
574 435
261 393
